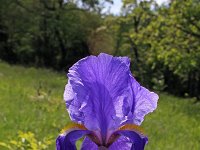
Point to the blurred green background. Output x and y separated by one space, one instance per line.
41 39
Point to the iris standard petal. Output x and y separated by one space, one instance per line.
68 141
144 102
129 140
98 88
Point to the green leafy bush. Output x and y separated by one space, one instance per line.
27 141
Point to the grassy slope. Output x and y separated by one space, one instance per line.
174 125
22 108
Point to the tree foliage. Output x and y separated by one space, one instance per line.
46 33
163 42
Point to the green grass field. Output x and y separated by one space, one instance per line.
31 100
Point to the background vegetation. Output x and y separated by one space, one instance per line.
163 43
31 103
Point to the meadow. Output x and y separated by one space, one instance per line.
32 100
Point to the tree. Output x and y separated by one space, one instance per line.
49 33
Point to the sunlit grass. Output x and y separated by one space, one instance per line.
31 100
175 125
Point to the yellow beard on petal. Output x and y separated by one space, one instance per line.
132 127
73 126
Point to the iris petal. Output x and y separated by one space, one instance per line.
70 134
144 102
129 140
97 89
88 145
122 143
67 141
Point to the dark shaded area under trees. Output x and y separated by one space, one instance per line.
163 42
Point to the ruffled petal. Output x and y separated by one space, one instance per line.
88 145
129 140
67 141
144 102
97 90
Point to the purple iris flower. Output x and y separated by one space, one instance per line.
107 105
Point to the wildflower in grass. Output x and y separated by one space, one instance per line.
107 105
